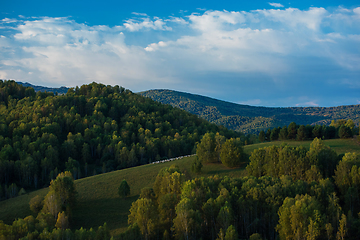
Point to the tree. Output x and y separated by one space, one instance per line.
205 150
225 216
262 136
185 222
300 218
36 204
342 228
231 233
61 196
343 178
345 132
323 157
196 166
62 221
256 166
317 131
232 153
255 236
143 214
292 130
274 134
301 133
283 135
124 189
219 141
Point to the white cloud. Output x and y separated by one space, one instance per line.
177 20
307 104
136 25
8 20
139 14
296 18
357 10
277 5
273 45
251 102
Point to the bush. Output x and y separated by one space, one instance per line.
196 166
36 204
124 189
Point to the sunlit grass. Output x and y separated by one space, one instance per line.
339 145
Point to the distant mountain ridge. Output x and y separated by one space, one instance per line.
251 119
60 90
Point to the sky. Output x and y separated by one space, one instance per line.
260 53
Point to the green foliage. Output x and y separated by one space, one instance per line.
232 153
300 218
262 136
292 131
301 133
249 119
143 213
347 179
36 204
345 132
205 150
62 221
61 196
283 135
90 129
196 166
317 163
124 189
342 228
255 236
256 166
231 233
254 202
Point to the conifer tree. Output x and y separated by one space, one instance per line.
124 189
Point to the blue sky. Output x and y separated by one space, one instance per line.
297 53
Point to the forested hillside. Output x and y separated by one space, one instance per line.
250 119
287 196
91 129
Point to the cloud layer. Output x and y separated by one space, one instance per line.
273 57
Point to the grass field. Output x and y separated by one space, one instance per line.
339 145
98 200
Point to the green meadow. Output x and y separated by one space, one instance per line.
98 200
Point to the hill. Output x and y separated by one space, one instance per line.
89 130
98 201
251 119
60 90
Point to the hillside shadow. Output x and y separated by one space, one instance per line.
94 213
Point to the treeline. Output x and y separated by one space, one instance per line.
338 129
290 193
91 129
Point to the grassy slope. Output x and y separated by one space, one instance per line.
98 201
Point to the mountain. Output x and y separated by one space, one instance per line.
60 90
250 119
